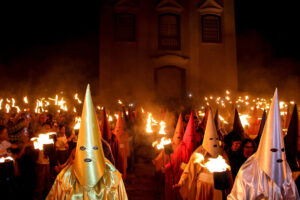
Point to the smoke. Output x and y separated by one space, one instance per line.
45 70
261 71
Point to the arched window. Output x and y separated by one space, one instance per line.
169 32
125 27
211 28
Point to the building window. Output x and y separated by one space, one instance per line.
125 27
211 28
169 32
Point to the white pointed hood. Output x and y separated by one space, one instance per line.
271 152
210 140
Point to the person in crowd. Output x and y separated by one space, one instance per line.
248 148
61 146
234 155
4 142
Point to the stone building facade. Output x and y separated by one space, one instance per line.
166 48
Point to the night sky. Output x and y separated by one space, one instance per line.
34 34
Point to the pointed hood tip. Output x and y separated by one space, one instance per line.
210 140
89 166
273 163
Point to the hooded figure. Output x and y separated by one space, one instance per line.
177 138
178 134
254 123
113 141
291 141
90 176
179 159
266 174
196 182
261 127
237 130
122 136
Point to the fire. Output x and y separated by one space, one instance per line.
213 164
120 102
244 120
7 107
162 128
222 119
74 110
13 102
42 139
1 100
216 164
77 99
116 116
149 124
25 99
77 123
163 141
4 159
110 119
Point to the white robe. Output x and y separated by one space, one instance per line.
253 183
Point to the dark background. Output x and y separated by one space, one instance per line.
50 46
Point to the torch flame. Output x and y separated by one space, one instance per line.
1 100
162 128
25 99
76 98
149 123
244 120
42 139
163 141
77 123
7 107
213 164
216 164
4 159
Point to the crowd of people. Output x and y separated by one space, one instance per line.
36 170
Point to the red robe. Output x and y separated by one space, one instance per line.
180 157
114 143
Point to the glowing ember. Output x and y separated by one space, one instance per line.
38 142
162 143
110 118
120 102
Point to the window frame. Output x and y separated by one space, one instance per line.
219 28
161 37
116 29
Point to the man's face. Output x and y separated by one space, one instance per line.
248 149
236 145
